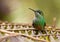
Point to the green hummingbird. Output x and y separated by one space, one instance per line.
39 21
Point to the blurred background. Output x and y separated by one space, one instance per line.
17 10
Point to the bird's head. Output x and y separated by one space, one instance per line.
37 12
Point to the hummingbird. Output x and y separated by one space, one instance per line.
39 21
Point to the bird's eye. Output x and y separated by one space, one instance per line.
39 12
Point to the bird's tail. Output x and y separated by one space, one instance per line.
36 32
43 31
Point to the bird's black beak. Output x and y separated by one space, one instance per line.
32 9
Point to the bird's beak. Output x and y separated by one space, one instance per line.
32 9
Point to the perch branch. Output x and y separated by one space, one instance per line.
16 34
